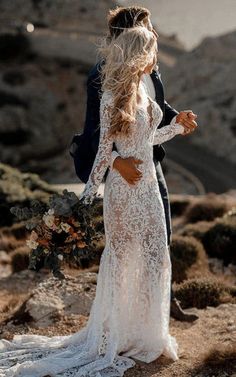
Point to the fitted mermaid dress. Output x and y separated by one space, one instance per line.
129 317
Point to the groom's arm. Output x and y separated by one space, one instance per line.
92 118
170 113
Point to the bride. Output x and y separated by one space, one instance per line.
129 317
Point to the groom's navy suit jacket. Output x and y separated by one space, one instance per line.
92 129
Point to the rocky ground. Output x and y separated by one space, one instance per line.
38 304
204 270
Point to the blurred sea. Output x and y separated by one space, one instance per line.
191 20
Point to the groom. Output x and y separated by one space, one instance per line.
118 19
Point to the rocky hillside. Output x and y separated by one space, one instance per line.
60 13
45 54
43 80
46 50
205 80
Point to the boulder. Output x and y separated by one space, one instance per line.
53 299
204 80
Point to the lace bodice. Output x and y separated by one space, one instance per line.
145 134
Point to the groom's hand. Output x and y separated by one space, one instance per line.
187 119
127 167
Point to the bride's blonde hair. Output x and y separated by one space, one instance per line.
125 59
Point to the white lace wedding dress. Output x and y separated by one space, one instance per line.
129 317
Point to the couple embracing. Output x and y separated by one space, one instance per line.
127 120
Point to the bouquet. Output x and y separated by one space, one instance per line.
62 229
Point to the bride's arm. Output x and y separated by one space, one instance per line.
168 132
103 155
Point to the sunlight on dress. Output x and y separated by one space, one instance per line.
129 317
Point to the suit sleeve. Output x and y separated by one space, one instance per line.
93 103
170 113
92 118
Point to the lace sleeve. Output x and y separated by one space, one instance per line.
114 154
167 132
103 156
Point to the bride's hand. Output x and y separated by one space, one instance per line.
187 119
128 169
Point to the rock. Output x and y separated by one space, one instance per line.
204 80
71 14
4 258
34 112
52 299
13 45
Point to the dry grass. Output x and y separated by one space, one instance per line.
20 259
203 292
206 209
187 257
197 229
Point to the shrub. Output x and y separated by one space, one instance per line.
20 259
220 240
231 214
220 356
184 252
218 361
206 209
200 293
178 205
16 230
197 230
9 243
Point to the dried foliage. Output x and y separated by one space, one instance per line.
204 292
178 205
20 259
208 208
220 240
197 229
184 252
219 361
